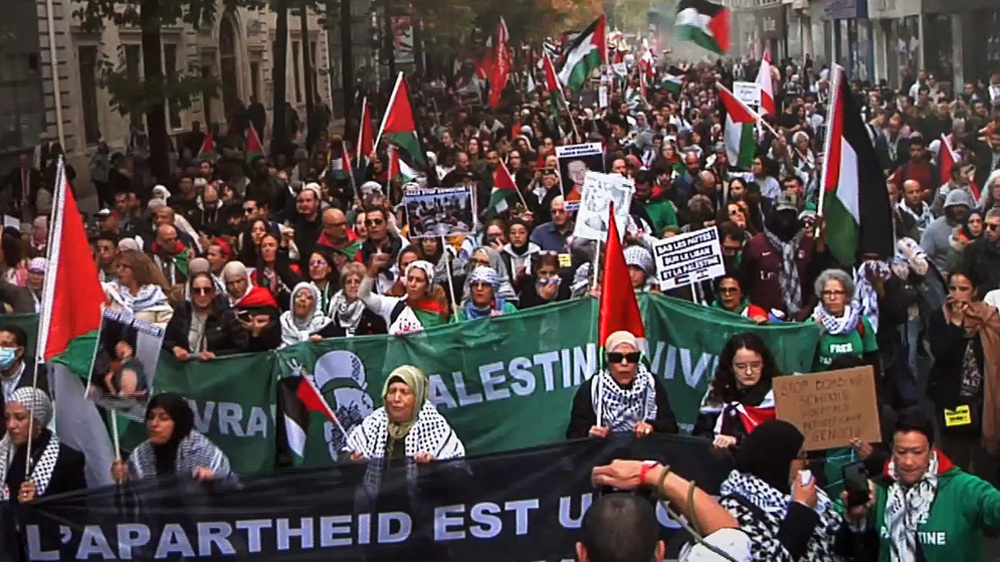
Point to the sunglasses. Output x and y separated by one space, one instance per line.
373 222
617 357
317 263
249 210
202 290
992 227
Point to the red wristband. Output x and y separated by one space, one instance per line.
646 467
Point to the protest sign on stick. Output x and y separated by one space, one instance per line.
128 351
599 191
432 213
686 259
748 93
830 409
574 163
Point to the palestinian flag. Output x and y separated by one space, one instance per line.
207 150
705 23
587 52
740 121
553 86
503 187
399 168
948 159
672 83
300 401
71 294
854 197
366 142
399 127
254 147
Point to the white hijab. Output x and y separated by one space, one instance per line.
295 329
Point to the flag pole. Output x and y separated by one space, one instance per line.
451 282
827 142
329 411
392 100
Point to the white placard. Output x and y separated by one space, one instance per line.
747 92
688 258
602 96
599 191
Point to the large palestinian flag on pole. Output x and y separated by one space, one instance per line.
705 23
854 197
399 127
740 120
587 52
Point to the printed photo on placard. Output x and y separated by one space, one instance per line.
574 163
439 212
128 349
599 192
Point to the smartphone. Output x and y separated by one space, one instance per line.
243 315
856 483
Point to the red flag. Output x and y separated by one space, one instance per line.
501 66
366 132
619 308
72 295
207 146
948 160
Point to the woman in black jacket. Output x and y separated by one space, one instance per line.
205 326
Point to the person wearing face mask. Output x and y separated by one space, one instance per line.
15 372
776 262
624 397
936 239
544 284
923 507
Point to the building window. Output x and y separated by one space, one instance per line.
296 73
255 80
170 69
88 93
133 69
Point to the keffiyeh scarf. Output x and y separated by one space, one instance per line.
41 472
193 451
788 277
620 408
838 325
150 297
348 314
865 296
905 508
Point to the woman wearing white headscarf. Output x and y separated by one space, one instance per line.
483 301
421 308
54 469
306 320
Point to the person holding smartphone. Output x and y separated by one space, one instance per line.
624 397
923 507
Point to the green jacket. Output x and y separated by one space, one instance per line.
964 508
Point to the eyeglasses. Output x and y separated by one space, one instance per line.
726 290
202 290
752 366
317 263
618 357
834 293
373 222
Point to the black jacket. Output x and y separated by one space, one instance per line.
27 377
67 476
981 258
582 417
223 334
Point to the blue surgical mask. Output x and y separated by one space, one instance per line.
7 357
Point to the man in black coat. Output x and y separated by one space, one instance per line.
20 186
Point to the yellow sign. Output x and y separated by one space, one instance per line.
565 260
959 416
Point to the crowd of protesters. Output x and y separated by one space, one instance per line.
233 257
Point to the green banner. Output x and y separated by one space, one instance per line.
504 383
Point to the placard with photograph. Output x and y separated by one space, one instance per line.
128 349
439 212
575 161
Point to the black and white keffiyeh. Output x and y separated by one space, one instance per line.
763 523
194 450
905 508
430 434
865 296
788 277
838 325
619 409
41 472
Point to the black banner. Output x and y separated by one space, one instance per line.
521 505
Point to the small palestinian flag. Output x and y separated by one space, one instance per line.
366 142
587 52
740 121
672 83
503 187
207 150
399 167
855 199
254 147
552 85
705 23
400 129
300 400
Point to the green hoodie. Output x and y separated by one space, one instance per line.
964 508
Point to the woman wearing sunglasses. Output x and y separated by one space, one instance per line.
624 397
483 300
204 326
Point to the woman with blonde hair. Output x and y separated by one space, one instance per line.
139 289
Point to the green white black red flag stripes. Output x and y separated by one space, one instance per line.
740 121
705 23
587 52
398 125
854 197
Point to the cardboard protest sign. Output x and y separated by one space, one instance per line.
748 93
432 213
599 191
830 408
688 258
128 350
575 161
